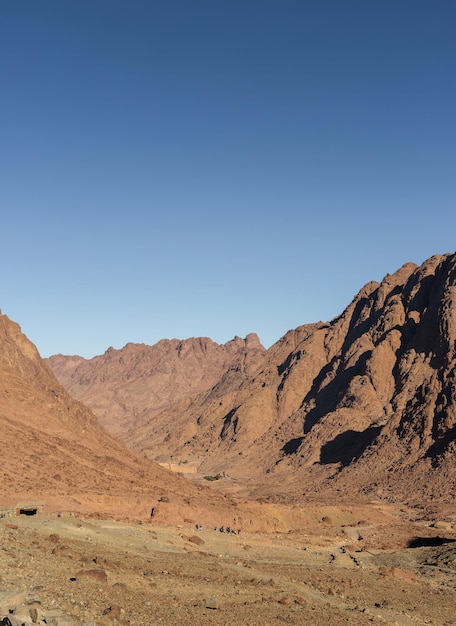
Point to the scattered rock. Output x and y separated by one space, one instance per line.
212 603
197 540
398 573
94 574
57 618
18 609
114 611
11 599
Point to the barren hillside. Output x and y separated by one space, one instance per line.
129 387
56 452
363 404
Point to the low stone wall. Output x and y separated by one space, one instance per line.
179 468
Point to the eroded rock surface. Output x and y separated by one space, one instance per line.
363 404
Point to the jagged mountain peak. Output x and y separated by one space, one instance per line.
127 387
365 402
56 451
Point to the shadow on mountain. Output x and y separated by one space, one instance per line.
442 443
348 446
292 446
328 397
230 423
428 542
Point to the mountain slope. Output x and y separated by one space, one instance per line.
128 387
364 404
55 450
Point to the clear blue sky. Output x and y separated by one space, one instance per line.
213 167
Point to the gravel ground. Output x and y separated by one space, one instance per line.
102 572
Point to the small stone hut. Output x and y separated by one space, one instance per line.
29 508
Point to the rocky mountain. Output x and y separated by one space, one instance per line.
129 387
55 450
362 405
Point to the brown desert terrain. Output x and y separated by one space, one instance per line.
343 566
330 457
362 405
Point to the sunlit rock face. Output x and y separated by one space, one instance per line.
363 404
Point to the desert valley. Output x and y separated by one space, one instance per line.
189 482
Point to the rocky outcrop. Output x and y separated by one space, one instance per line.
128 388
58 453
363 404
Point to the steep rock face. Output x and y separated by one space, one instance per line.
128 388
381 412
363 404
54 448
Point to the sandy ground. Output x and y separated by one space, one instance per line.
338 569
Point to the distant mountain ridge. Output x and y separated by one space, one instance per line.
55 451
127 387
363 404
